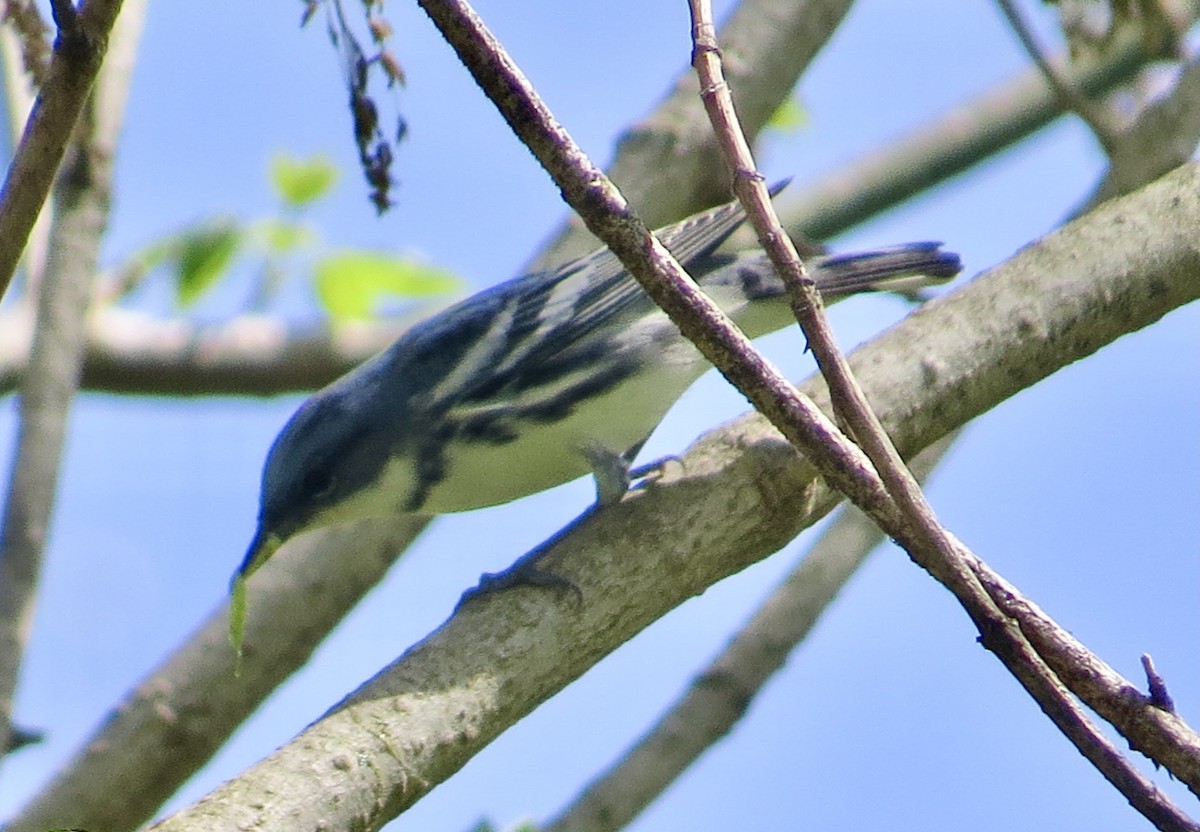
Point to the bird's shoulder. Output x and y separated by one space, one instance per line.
515 327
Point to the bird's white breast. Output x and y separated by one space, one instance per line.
546 454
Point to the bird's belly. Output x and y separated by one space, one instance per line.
484 472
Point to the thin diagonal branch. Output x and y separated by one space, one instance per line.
774 41
20 91
916 527
78 51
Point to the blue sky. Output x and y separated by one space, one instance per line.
1082 490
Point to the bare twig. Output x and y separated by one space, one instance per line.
750 187
916 527
1045 674
1159 697
20 90
848 400
78 51
774 41
1149 728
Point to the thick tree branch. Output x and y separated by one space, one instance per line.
134 353
742 494
720 695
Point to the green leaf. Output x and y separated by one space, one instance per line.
351 283
300 181
789 117
237 620
204 255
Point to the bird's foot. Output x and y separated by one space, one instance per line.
525 572
613 474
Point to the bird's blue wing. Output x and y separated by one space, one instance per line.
566 305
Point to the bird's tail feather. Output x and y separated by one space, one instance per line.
901 268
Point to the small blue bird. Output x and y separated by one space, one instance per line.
531 383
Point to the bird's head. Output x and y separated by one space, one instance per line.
317 470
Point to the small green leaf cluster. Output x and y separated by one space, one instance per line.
349 284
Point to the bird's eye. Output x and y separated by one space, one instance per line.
317 482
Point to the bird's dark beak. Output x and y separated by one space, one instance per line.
262 547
